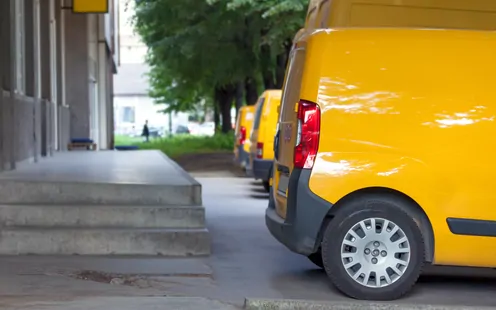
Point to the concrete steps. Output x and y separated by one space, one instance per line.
102 203
103 230
104 241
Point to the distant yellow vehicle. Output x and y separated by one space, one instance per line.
382 158
262 137
242 131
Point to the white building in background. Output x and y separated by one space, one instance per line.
132 105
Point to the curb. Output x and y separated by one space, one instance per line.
288 304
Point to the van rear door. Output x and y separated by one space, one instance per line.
287 128
238 126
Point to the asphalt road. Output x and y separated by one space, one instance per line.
248 262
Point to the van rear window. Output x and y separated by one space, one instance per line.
258 113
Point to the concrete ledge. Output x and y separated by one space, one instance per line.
49 192
70 241
288 304
104 216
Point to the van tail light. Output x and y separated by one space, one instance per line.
260 150
242 135
307 137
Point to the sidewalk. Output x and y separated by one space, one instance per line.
85 283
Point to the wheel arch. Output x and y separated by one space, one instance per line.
410 205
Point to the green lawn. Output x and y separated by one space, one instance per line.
182 144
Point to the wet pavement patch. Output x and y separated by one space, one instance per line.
126 279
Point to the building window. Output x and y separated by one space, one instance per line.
128 115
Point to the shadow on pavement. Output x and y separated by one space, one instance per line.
258 190
259 196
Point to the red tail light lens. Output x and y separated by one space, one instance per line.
307 139
242 135
260 150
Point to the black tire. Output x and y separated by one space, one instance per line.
316 258
350 214
266 186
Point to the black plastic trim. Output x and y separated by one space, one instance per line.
299 231
262 168
470 227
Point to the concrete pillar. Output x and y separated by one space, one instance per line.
94 80
59 131
4 79
102 85
110 103
36 39
29 47
77 78
46 74
14 76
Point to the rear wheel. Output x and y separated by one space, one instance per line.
372 249
316 258
266 186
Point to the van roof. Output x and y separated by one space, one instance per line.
247 107
272 92
446 14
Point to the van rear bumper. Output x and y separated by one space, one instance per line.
242 158
261 169
306 213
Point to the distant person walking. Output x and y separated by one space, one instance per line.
146 132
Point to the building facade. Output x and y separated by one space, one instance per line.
56 78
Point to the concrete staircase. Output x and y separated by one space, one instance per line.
59 217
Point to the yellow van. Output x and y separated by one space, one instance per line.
262 136
242 131
382 158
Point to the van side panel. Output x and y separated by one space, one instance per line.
269 124
413 111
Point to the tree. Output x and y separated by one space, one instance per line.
216 50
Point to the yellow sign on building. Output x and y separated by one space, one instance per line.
90 6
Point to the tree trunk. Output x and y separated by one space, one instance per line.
216 109
267 72
225 95
251 91
281 62
239 97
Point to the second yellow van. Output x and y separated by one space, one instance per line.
242 131
262 136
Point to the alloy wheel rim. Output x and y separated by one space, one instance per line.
375 252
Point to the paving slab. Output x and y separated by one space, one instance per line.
117 167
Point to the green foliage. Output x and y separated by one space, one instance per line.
182 144
196 46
